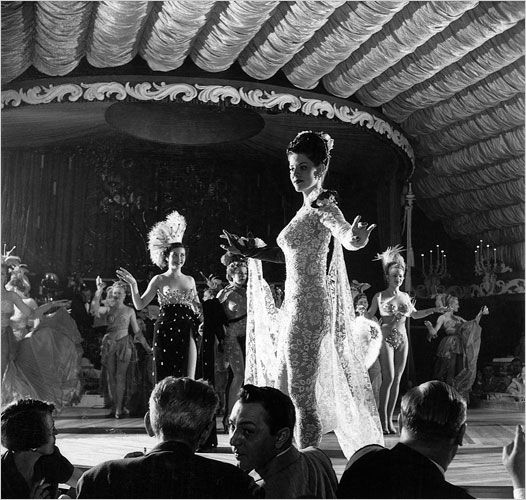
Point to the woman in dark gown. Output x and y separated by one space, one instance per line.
176 329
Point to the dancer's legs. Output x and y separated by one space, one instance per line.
302 356
388 371
121 370
234 357
400 360
192 357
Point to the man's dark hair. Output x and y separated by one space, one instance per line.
182 408
278 407
433 411
24 426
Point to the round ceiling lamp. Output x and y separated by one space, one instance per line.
184 123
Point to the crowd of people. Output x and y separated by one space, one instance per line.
298 370
261 426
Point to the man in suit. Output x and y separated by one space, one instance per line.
261 430
432 425
180 411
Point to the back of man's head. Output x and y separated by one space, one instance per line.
433 412
278 407
182 408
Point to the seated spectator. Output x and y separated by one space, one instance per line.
261 430
432 426
180 411
32 466
516 386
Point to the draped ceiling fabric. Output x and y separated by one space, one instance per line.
451 74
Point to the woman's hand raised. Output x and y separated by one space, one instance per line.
126 276
233 245
99 284
361 232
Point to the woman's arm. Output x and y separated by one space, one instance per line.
95 308
352 236
133 321
19 303
374 306
426 312
196 302
138 301
483 311
433 332
142 340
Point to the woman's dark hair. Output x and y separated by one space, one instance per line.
358 297
24 426
173 246
314 145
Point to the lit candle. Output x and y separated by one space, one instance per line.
423 269
430 260
445 262
494 256
487 253
438 256
477 255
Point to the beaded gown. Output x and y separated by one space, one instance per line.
308 348
176 322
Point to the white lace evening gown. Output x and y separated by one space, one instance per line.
307 348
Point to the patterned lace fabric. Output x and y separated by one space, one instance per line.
176 296
308 348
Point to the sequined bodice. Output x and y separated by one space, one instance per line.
305 244
396 310
118 320
175 296
235 297
451 325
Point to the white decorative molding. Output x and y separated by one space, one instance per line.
256 98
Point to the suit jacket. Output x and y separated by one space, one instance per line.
299 474
400 472
170 470
54 469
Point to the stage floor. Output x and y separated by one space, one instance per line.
87 438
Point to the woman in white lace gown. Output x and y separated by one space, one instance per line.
176 329
306 348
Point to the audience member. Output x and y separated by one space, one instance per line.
180 412
516 386
261 430
513 461
32 466
432 426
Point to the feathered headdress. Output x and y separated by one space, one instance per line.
391 256
163 234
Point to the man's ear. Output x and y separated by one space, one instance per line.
282 438
460 435
400 422
148 424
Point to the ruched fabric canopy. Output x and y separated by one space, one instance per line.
450 73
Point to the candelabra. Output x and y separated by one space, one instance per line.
435 272
488 265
